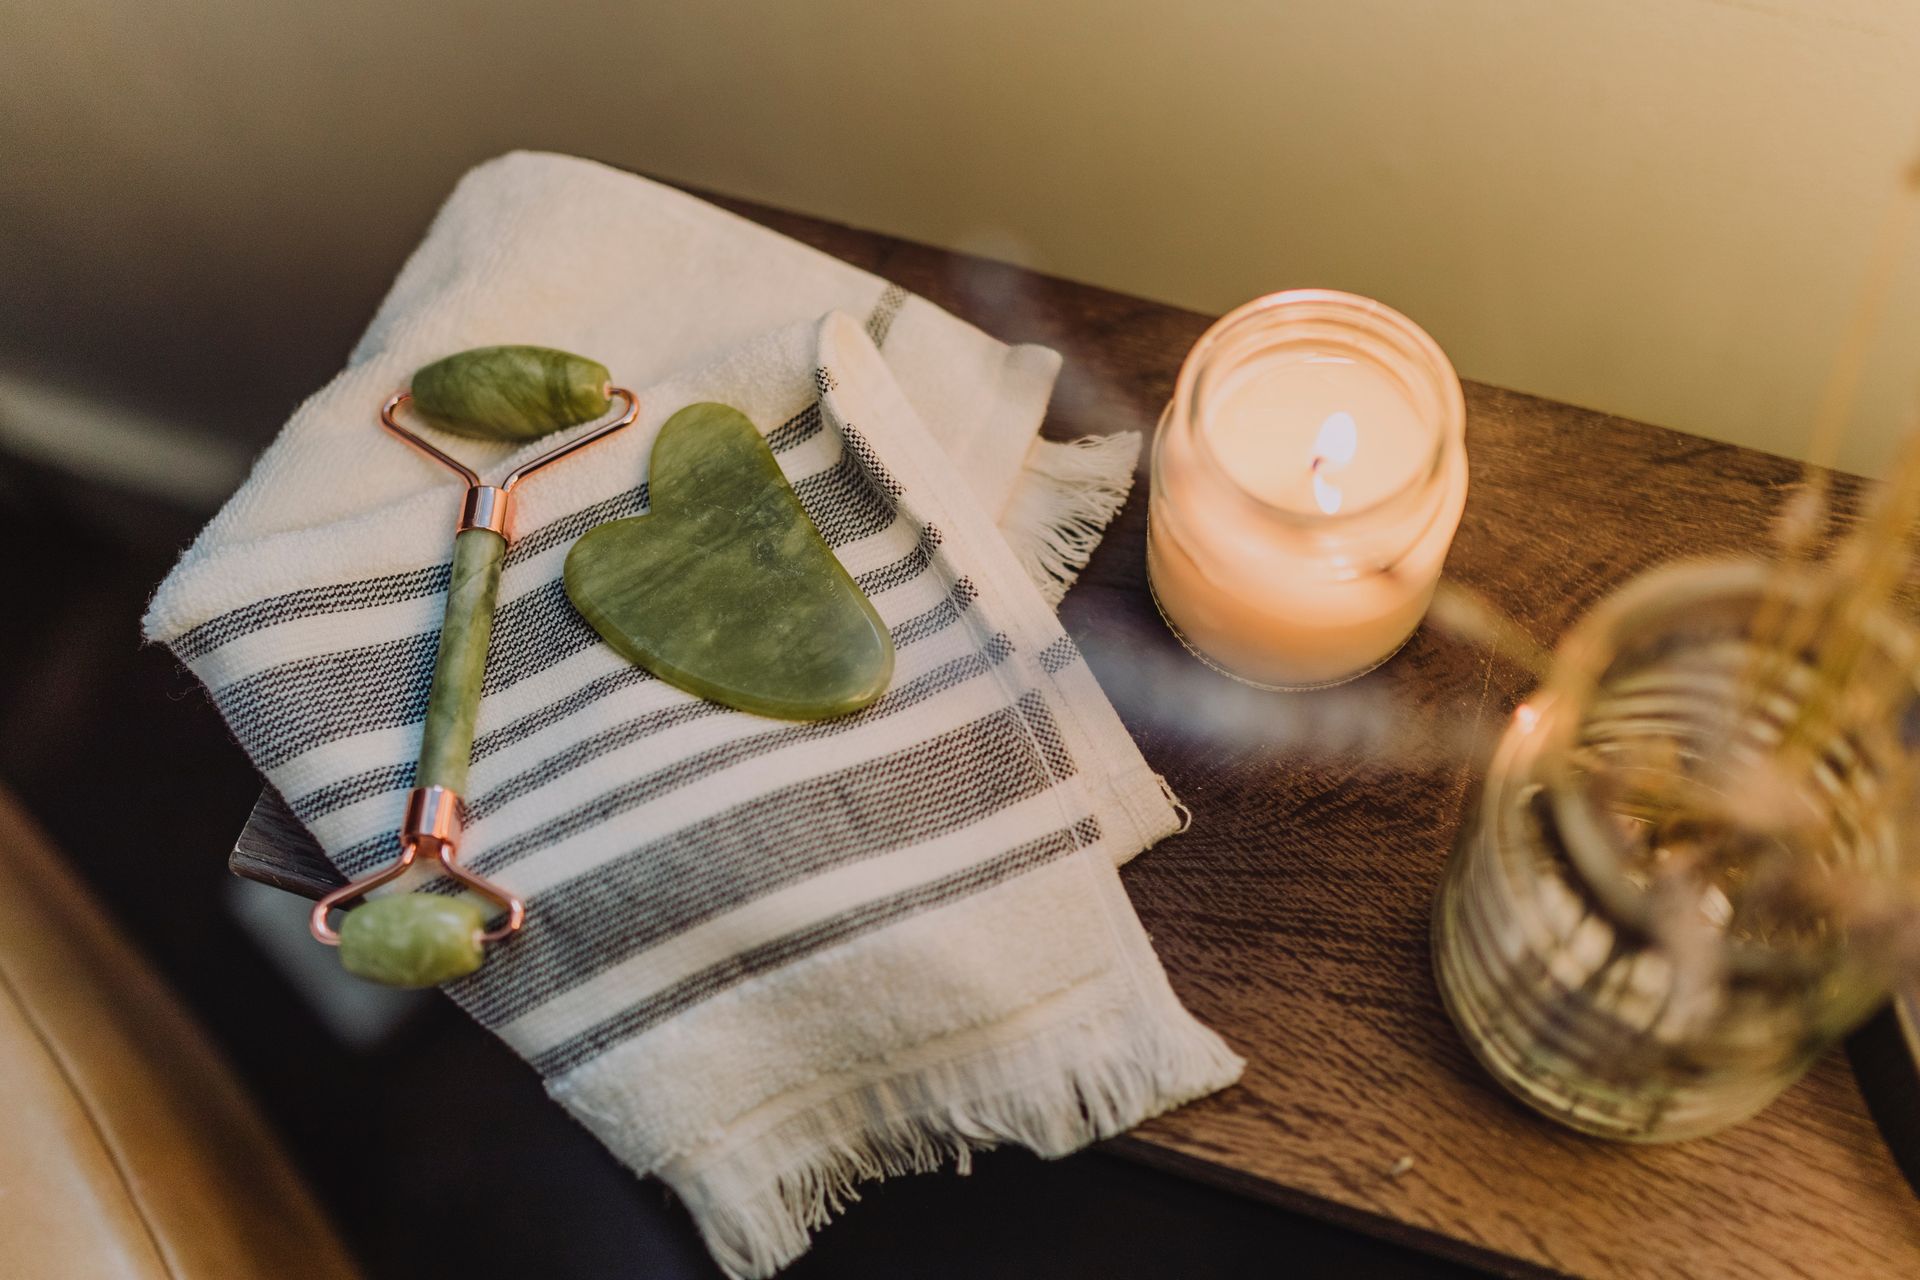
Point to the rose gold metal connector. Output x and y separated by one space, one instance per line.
431 827
489 506
486 507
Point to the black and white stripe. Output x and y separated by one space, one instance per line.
367 593
753 848
399 778
885 312
665 1003
286 709
360 858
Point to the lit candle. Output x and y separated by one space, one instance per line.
1308 477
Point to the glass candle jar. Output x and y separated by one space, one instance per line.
1644 969
1308 476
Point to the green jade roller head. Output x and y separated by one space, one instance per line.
514 394
511 393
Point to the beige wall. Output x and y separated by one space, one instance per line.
1657 207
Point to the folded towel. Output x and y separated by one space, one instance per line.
763 960
649 281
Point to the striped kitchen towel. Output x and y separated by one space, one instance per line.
763 960
562 252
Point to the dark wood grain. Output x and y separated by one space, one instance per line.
275 849
1293 915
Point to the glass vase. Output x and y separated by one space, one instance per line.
1649 926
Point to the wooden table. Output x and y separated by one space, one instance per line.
1293 916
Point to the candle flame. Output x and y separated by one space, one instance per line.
1333 448
1338 441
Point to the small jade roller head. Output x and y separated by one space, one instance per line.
511 393
514 394
413 939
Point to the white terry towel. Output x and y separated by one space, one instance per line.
763 960
532 247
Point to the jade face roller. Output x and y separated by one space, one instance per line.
489 393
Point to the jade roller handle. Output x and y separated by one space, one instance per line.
446 746
418 939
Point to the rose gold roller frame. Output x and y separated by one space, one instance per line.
432 824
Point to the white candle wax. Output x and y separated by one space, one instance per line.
1306 491
1316 431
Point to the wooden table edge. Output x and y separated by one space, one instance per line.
1437 1244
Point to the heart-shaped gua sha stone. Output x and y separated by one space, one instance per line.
725 588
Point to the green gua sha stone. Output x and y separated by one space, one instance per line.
511 393
412 939
725 588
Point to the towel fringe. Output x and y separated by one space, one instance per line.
1076 1083
1066 495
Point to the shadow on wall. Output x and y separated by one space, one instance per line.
1655 207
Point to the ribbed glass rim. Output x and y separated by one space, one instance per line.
1366 316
